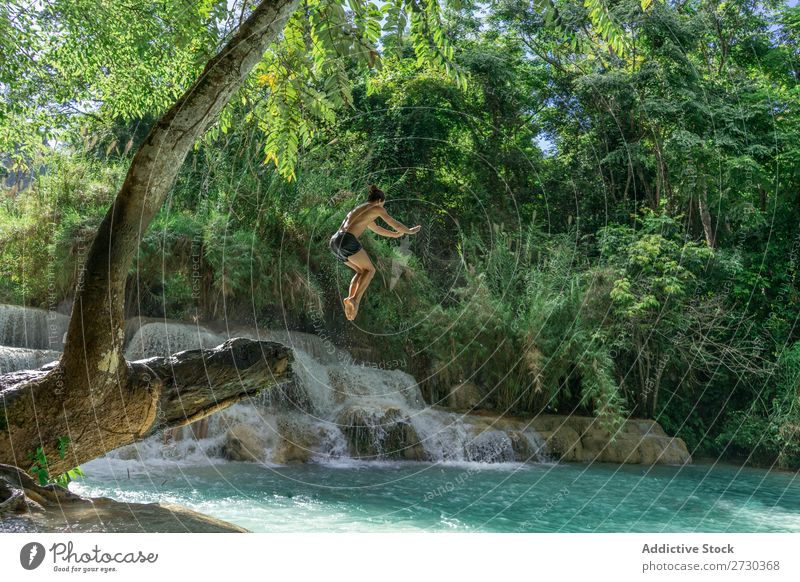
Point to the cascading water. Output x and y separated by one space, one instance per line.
28 327
30 337
13 359
332 409
165 339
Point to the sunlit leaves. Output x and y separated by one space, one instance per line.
96 62
309 74
130 59
609 30
605 29
428 36
654 264
395 23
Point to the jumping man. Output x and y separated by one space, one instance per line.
345 246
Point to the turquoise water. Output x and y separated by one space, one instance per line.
511 497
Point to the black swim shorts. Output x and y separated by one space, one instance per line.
343 245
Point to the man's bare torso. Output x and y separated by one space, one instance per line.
358 219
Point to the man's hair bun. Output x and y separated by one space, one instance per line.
375 194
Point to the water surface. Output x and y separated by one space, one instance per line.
357 496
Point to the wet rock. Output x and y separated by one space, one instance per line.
491 446
28 507
297 443
290 451
382 433
466 396
665 450
637 441
128 453
526 448
563 443
624 449
243 443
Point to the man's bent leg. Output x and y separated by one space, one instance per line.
366 279
354 283
366 271
349 303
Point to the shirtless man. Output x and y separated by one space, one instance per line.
345 246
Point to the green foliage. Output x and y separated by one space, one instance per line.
39 466
527 325
61 446
655 266
46 230
769 431
302 84
608 191
64 479
135 60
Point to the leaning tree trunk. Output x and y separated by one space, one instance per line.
705 218
163 392
705 215
93 396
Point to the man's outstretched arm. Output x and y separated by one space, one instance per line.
396 224
383 231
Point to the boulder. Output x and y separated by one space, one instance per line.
289 451
623 449
466 396
128 453
296 443
380 433
26 506
636 441
564 443
243 443
643 427
490 446
524 449
664 450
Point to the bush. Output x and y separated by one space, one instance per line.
768 432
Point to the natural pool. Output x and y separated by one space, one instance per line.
356 496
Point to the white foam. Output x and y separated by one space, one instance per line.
331 397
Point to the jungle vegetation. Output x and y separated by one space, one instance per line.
609 192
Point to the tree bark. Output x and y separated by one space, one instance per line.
705 218
94 339
93 396
161 393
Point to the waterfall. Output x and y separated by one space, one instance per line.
166 338
28 327
333 409
30 337
322 350
13 359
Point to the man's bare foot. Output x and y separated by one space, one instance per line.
350 309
